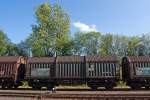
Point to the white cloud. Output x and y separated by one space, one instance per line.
84 27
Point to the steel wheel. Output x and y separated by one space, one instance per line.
36 87
109 87
146 87
135 86
3 86
10 86
94 88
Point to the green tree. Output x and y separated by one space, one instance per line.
11 49
86 43
49 33
23 49
3 42
106 44
144 47
64 45
120 45
133 43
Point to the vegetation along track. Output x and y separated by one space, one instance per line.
75 95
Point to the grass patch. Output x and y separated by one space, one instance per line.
25 85
120 84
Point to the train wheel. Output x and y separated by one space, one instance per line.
10 86
94 88
16 86
36 87
147 87
50 87
135 86
3 86
109 87
39 87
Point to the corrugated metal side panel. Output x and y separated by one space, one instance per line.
7 69
27 67
39 67
12 69
101 69
69 70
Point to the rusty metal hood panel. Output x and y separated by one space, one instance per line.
139 58
41 59
70 59
11 59
101 58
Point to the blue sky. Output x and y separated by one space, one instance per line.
127 17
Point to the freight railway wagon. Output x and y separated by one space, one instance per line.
95 71
136 71
49 72
102 71
12 70
40 72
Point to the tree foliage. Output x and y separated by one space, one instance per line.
132 44
106 44
86 43
120 44
23 49
7 48
3 42
51 31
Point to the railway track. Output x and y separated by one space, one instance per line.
73 95
80 89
